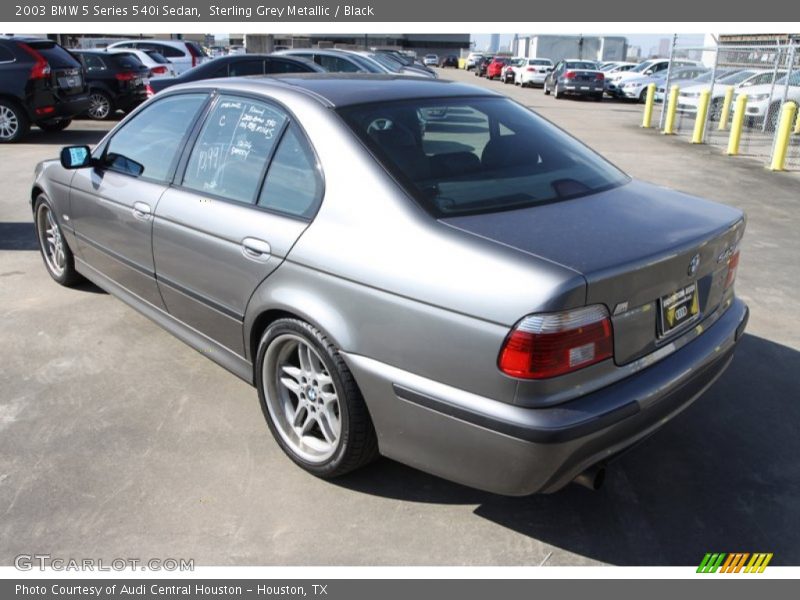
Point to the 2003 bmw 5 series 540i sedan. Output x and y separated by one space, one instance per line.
408 267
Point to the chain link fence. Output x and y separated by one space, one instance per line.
768 75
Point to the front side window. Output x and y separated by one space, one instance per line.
293 185
232 150
471 155
148 144
335 64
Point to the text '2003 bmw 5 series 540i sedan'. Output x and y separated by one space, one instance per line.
406 267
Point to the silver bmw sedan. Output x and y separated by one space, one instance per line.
407 267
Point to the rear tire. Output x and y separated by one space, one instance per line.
546 90
14 122
311 402
100 106
556 95
773 113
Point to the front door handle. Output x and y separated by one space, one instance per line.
255 248
141 210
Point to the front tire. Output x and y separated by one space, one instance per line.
56 254
546 90
14 123
311 402
556 95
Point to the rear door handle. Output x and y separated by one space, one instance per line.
255 248
141 210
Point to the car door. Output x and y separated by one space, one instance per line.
112 203
233 216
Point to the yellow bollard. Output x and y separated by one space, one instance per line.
647 120
700 118
672 108
737 124
788 113
726 109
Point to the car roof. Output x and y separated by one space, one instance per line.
347 89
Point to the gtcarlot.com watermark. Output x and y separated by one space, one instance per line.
42 562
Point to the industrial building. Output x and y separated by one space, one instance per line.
558 47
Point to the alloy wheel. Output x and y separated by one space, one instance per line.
9 123
99 106
51 241
302 398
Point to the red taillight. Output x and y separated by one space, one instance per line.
126 76
733 266
530 69
41 68
149 90
552 344
158 70
570 75
45 110
599 77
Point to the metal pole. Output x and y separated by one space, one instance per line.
778 50
666 83
784 99
711 94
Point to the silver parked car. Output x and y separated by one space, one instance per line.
405 266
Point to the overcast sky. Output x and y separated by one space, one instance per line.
644 41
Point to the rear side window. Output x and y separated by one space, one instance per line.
240 68
335 64
286 66
6 55
148 145
167 51
232 150
93 62
293 184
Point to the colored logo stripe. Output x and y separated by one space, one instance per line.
734 562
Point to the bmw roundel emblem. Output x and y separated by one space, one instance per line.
694 265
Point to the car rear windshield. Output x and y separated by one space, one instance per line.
581 65
126 61
157 57
55 55
459 156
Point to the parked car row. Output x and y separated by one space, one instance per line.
46 85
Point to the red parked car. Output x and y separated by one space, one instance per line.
495 68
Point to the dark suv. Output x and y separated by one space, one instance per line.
117 81
41 84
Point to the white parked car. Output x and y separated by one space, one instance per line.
644 68
181 53
765 100
158 65
532 71
689 96
472 59
431 60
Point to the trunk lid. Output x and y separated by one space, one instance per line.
636 245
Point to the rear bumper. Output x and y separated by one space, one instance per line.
581 89
64 107
517 451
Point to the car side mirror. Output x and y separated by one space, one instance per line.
76 157
649 72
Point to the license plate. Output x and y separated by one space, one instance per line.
679 308
584 87
70 82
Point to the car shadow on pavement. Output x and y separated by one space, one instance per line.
723 476
18 236
72 136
